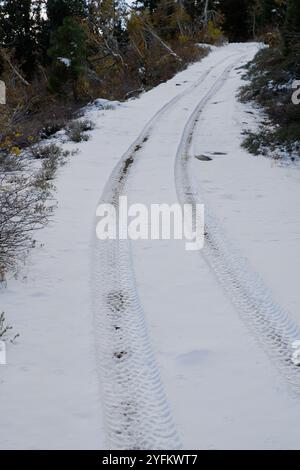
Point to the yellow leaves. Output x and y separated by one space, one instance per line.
6 143
214 33
9 144
16 151
183 39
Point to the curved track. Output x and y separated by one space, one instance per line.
137 414
270 323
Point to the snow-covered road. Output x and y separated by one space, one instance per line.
146 349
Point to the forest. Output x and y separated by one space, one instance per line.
56 55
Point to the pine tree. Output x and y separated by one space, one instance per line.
58 10
236 19
293 16
18 32
291 31
272 13
68 52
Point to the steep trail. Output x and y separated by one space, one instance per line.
136 410
212 368
271 324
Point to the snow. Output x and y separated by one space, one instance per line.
296 353
222 388
296 357
255 198
2 352
65 61
101 104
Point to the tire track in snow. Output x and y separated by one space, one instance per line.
136 410
267 320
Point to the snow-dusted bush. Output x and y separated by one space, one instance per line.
42 152
76 130
9 163
6 330
271 75
52 156
24 208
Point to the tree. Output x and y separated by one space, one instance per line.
58 10
236 19
272 13
18 32
291 32
68 52
293 16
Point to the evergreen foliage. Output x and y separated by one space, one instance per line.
67 52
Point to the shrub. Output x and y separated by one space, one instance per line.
76 130
42 152
51 128
271 75
5 330
9 163
52 156
24 209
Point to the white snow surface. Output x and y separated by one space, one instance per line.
65 61
223 390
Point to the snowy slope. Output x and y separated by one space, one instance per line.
222 389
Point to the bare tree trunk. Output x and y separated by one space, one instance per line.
147 27
178 18
254 24
5 56
205 14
